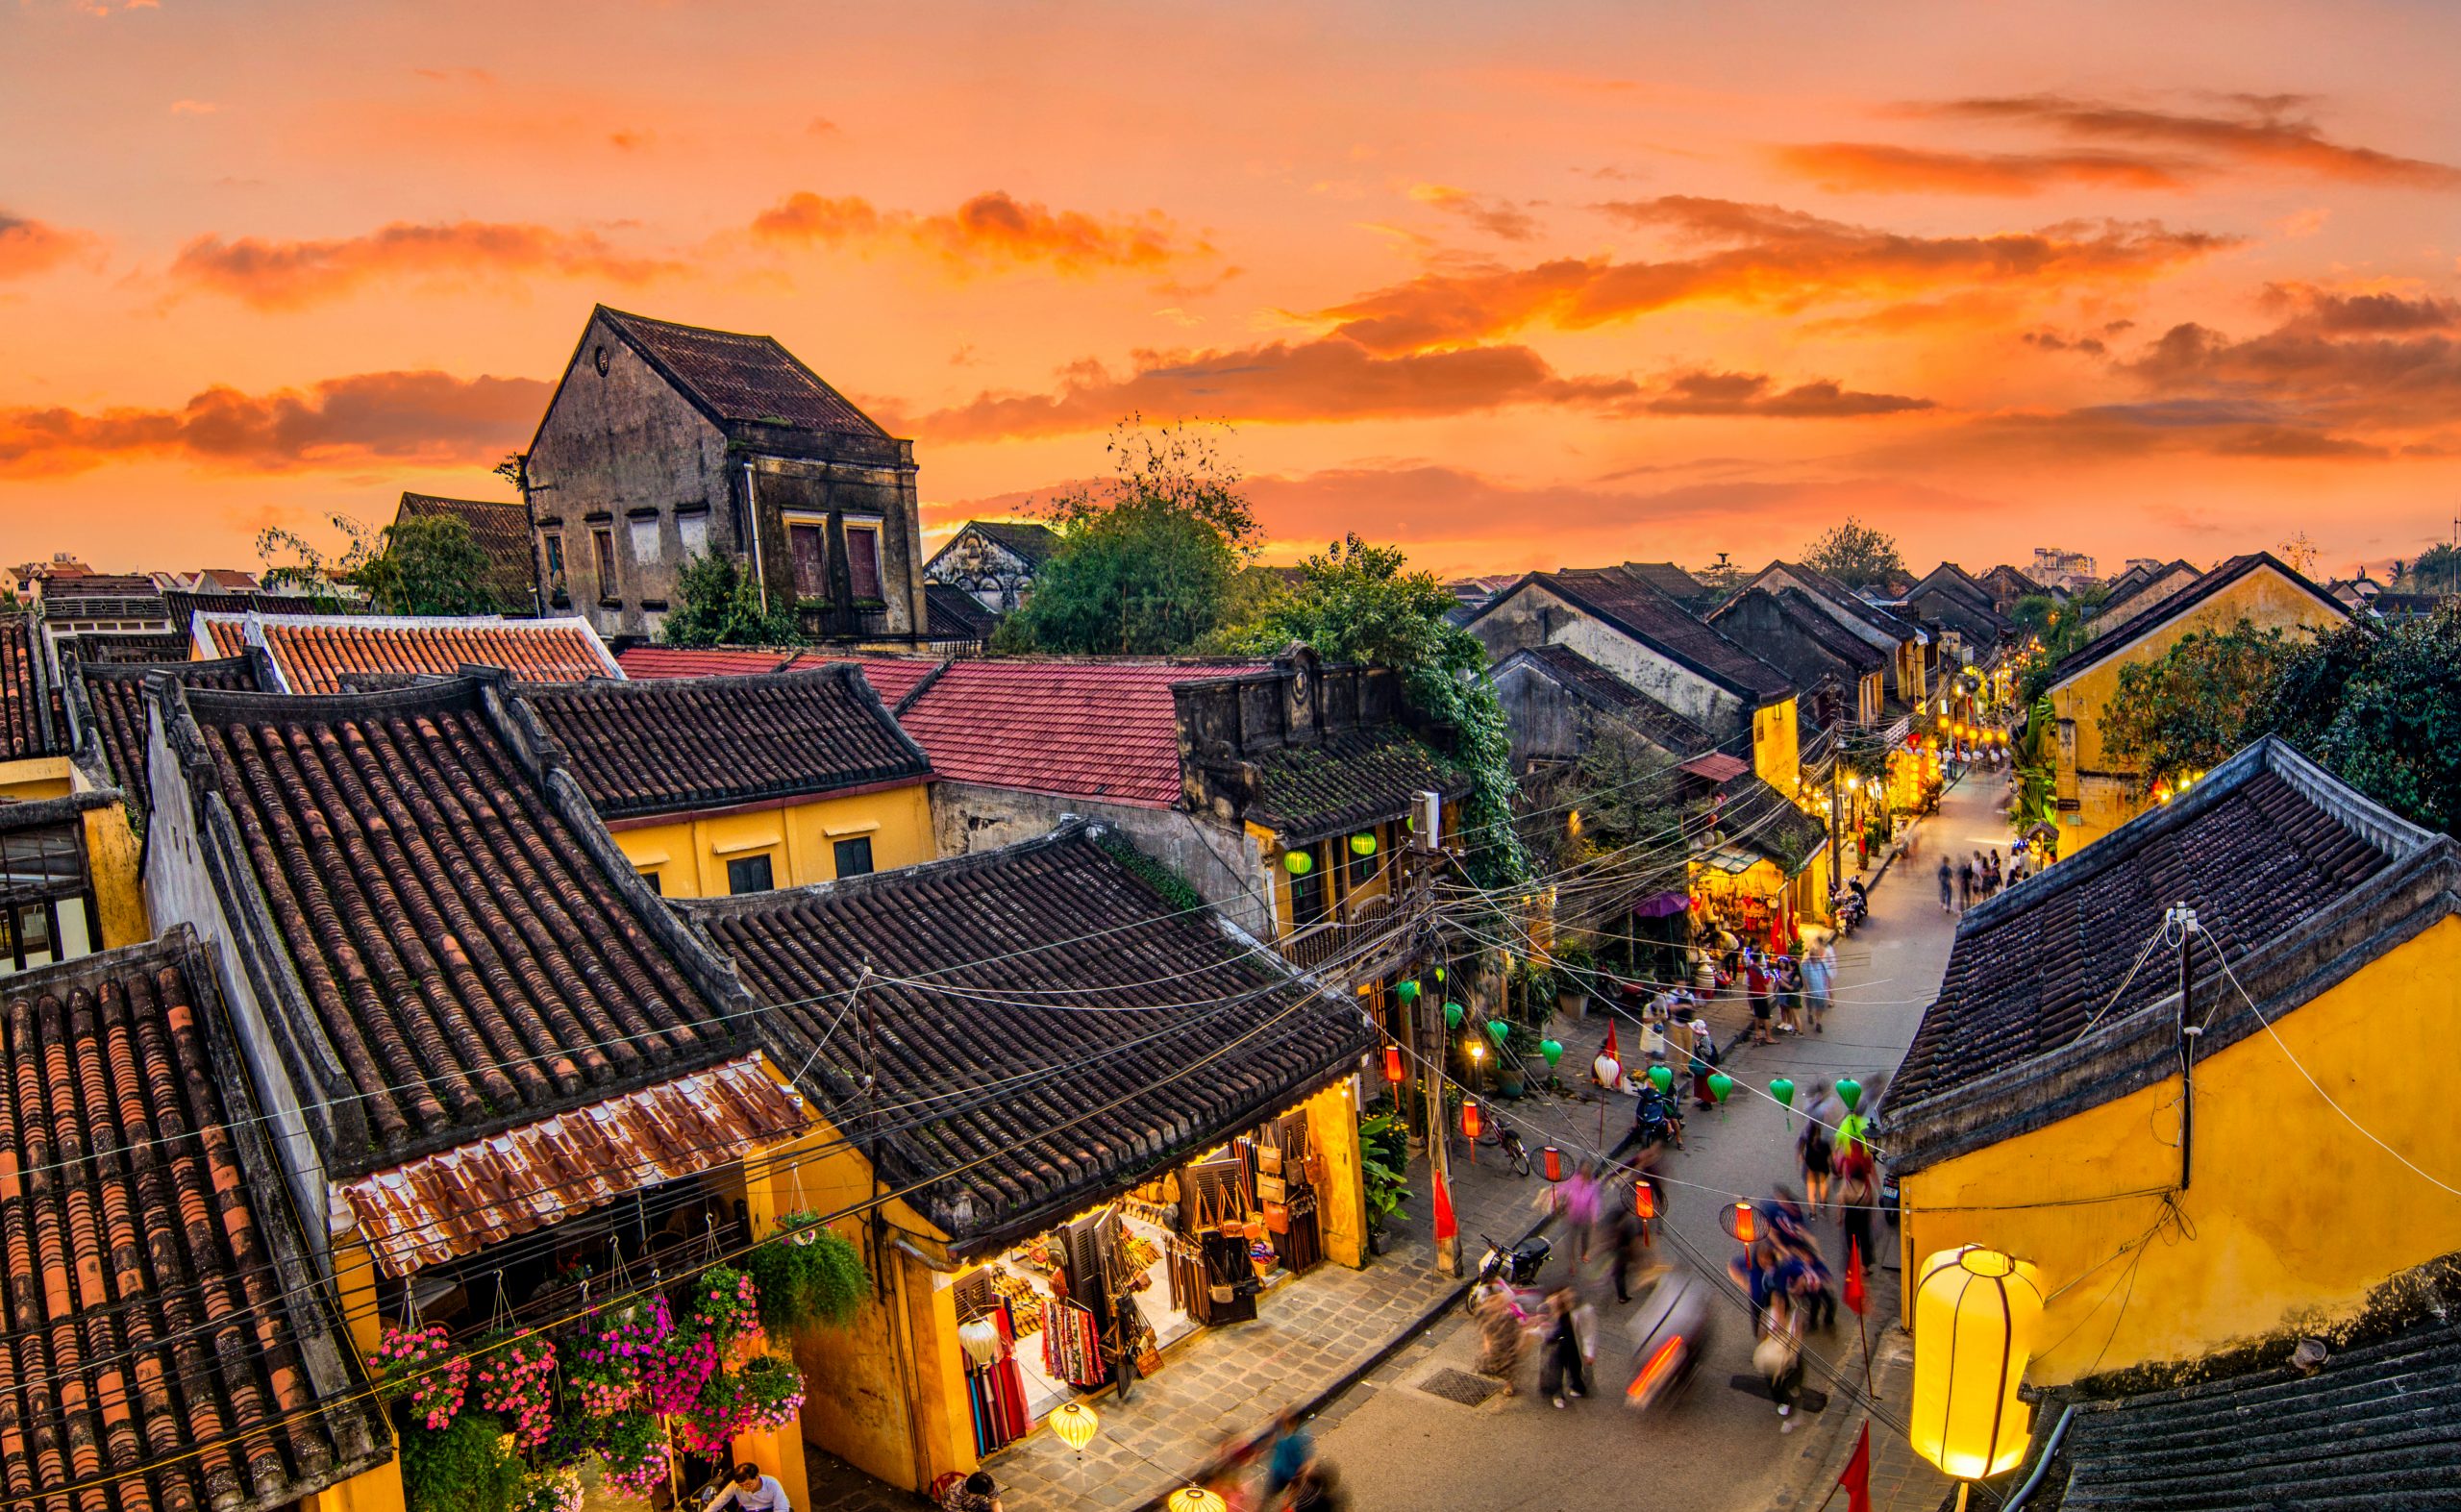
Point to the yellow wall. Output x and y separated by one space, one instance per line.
2108 795
689 855
2292 1214
119 893
1341 1201
378 1490
1777 751
34 777
1391 840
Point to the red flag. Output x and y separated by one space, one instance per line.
1855 1277
1608 1049
1857 1478
1446 1227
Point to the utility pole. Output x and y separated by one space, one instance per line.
2185 918
1429 1048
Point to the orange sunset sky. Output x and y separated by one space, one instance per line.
1517 285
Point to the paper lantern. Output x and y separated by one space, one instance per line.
1439 974
1782 1088
1607 1071
1720 1084
1471 1123
1298 863
1552 1159
1452 1015
980 1339
1740 1220
1362 845
1975 1316
1661 1078
1499 1032
1408 990
1194 1498
1075 1423
1644 1200
1554 1051
1851 1093
1393 1064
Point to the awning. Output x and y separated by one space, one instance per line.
443 1206
1661 905
1728 858
1716 766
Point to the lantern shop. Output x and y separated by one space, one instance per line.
1070 1122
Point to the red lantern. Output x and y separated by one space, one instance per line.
1739 1221
1553 1160
1470 1124
1644 1200
1393 1064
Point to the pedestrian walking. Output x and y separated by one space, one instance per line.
1560 1371
1292 1453
1858 1195
1705 1060
1815 1156
1319 1490
1755 984
1947 885
1965 885
1499 1337
1820 981
1790 996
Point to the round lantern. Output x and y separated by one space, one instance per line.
980 1339
1298 863
1740 1222
1607 1072
1782 1088
1661 1078
1439 974
1075 1423
1471 1123
1362 845
1975 1316
1452 1015
1851 1093
1552 1160
1499 1030
1554 1051
1720 1084
1194 1498
1644 1200
1408 990
1393 1064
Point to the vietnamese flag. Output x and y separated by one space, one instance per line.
1857 1478
1446 1227
1855 1280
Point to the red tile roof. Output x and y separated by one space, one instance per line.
1716 766
1086 729
891 677
32 722
312 653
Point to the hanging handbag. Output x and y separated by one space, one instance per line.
1270 1190
1269 1159
1314 1167
1276 1218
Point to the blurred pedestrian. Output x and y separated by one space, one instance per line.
976 1493
1948 886
1858 1197
1820 981
1319 1490
1812 1152
1560 1371
1292 1453
1790 996
1499 1337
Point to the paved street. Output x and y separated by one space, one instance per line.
1400 1447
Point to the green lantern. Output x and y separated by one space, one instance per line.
1408 990
1851 1093
1452 1015
1552 1050
1298 863
1782 1088
1439 974
1362 844
1720 1084
1499 1032
1660 1077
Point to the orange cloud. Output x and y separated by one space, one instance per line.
1325 379
284 275
1772 255
2265 134
28 247
421 418
1496 217
1705 393
1853 168
991 230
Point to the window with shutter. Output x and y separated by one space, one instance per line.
863 560
810 550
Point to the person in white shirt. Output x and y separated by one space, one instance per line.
751 1491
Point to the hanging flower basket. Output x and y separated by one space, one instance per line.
727 1305
517 1379
603 1387
632 1455
725 1409
419 1366
777 1389
555 1490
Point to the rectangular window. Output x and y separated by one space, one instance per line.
1362 868
750 875
863 560
855 857
657 882
555 556
1309 898
692 531
645 542
808 544
46 901
602 545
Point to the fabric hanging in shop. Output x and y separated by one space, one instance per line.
996 1392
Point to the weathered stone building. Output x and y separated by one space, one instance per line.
665 441
995 560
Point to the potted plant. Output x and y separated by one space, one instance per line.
1383 1160
1576 969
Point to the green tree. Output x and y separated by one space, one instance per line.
2379 707
1358 602
718 604
2189 711
2437 570
293 563
431 565
1149 560
1856 554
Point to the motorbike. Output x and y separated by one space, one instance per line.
1670 1328
1658 1120
1515 1270
1849 908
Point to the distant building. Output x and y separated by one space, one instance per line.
26 578
995 560
2065 570
90 607
208 579
502 531
664 442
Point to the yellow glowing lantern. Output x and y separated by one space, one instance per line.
1075 1423
1976 1315
1195 1498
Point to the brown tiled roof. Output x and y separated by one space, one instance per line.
312 653
2163 612
952 614
673 744
1662 727
1104 729
107 647
1668 579
185 606
1039 1006
502 531
893 677
466 941
2258 848
159 1300
32 722
1828 590
109 701
1631 605
743 378
1715 766
1035 543
1350 780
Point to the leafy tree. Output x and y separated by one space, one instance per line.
2379 707
1611 808
2300 553
718 604
2437 570
293 563
1856 554
431 565
2189 709
1149 560
1358 602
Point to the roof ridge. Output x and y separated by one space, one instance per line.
1069 828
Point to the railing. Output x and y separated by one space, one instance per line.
1354 928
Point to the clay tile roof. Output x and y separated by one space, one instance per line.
128 646
160 1300
1668 579
1829 591
461 933
31 721
185 606
1715 766
1347 781
1665 727
109 703
952 614
684 743
743 378
313 653
502 531
1057 1015
2168 609
1035 543
1626 602
892 677
1101 730
2258 848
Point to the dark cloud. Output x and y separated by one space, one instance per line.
275 274
1499 218
28 247
2264 132
1849 168
1708 393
